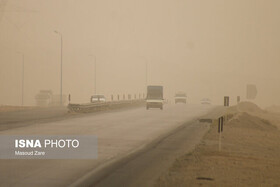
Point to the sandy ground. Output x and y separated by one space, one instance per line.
249 155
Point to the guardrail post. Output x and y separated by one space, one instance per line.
123 96
112 97
134 96
118 97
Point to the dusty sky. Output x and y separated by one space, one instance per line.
206 48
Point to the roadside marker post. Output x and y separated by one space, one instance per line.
220 142
221 124
220 130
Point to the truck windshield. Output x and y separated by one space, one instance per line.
154 96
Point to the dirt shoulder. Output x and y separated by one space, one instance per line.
249 154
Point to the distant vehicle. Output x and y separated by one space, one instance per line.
206 101
97 98
46 98
180 97
154 97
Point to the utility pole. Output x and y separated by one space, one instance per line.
22 84
61 43
22 79
146 74
94 73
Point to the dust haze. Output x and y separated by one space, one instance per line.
204 48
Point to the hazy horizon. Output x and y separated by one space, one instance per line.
205 48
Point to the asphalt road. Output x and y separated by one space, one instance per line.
21 118
144 167
121 136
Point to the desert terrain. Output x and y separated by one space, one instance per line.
248 156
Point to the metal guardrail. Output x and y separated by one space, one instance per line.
98 106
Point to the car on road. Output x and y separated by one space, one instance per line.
97 98
205 101
180 97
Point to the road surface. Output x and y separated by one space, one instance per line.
25 117
120 134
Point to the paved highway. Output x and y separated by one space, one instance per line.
120 133
21 118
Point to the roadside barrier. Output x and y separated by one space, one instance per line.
98 106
